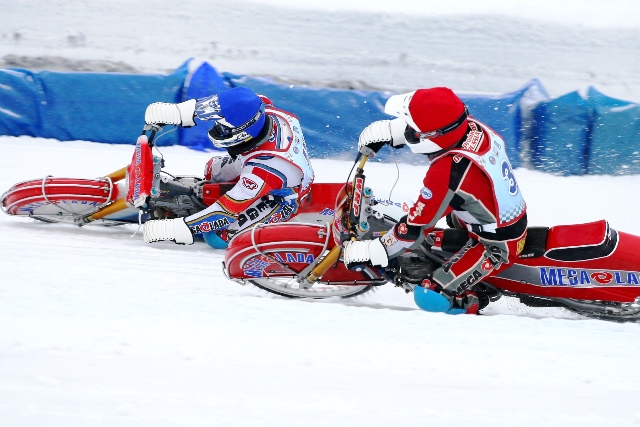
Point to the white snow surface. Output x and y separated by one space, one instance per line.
99 329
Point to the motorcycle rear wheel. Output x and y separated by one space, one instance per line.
289 287
604 310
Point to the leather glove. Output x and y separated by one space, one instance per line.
379 133
360 251
163 113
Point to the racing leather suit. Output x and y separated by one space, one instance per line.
272 180
474 183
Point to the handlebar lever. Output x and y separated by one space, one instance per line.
153 129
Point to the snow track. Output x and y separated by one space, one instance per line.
97 328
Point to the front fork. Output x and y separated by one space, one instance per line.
120 174
354 225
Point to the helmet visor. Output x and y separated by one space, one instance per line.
224 134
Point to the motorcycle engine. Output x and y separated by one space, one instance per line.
411 269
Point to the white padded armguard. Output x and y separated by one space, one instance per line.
365 250
187 111
171 114
175 230
376 132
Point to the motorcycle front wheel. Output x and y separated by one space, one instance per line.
289 287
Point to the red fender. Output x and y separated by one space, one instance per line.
284 249
25 197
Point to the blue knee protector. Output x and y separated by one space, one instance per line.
432 301
214 240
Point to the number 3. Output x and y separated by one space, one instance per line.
507 174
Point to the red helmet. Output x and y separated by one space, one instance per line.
436 116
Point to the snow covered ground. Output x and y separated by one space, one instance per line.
99 329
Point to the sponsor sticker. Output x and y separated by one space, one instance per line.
417 211
402 228
357 196
426 193
291 257
249 183
388 240
587 278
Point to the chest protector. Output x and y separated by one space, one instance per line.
495 164
286 142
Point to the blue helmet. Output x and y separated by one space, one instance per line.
239 116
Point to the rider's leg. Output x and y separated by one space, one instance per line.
262 211
452 282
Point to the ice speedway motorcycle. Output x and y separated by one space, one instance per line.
590 269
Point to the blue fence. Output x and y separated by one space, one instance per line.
569 135
100 107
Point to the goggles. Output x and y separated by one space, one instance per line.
222 130
413 136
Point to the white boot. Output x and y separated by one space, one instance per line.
175 230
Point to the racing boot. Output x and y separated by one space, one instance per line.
471 302
430 296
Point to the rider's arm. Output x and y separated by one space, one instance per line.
431 206
223 169
252 185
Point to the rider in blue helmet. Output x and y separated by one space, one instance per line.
266 155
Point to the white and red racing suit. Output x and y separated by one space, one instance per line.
272 180
474 183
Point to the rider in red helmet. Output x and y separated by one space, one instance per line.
469 180
266 154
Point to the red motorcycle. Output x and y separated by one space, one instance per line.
589 268
141 191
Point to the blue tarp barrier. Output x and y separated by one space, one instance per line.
568 135
331 119
560 132
20 106
615 135
100 107
105 107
